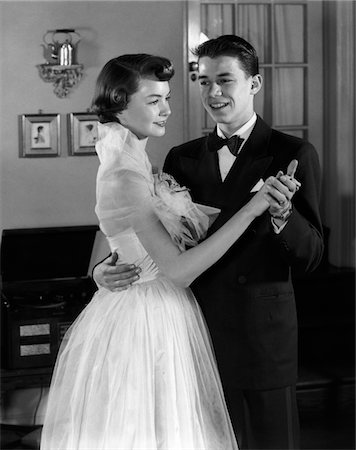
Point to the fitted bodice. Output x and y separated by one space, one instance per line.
131 251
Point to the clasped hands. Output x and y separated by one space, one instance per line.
282 189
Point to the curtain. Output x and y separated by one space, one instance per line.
339 130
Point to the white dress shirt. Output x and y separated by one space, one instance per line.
226 158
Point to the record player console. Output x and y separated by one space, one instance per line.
45 286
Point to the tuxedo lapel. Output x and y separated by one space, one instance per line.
202 164
208 166
202 170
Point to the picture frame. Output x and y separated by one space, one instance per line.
83 133
39 135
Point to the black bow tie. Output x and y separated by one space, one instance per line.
234 143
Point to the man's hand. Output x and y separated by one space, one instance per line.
287 186
115 276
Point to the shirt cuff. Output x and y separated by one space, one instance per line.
276 228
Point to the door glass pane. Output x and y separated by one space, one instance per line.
263 99
228 19
209 122
254 25
289 96
289 33
217 19
206 120
260 97
297 133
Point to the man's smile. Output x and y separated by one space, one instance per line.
217 106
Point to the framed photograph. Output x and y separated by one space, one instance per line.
83 133
39 135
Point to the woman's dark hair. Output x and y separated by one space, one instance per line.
231 45
120 78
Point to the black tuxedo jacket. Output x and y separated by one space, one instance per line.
247 296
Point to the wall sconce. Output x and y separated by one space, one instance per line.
61 67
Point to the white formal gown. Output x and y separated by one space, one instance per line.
136 370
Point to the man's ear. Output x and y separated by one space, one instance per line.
256 84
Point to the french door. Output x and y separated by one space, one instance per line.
287 36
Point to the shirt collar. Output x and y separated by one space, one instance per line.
243 131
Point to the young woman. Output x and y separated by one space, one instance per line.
136 369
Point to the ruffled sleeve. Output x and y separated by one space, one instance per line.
127 202
123 179
185 221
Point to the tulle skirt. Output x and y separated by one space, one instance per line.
136 371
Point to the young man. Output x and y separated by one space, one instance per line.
247 296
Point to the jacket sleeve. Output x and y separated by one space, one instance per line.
301 240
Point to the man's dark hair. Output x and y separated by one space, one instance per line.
119 80
230 45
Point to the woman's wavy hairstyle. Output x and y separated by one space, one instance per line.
120 78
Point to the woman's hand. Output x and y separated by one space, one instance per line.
276 193
269 196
